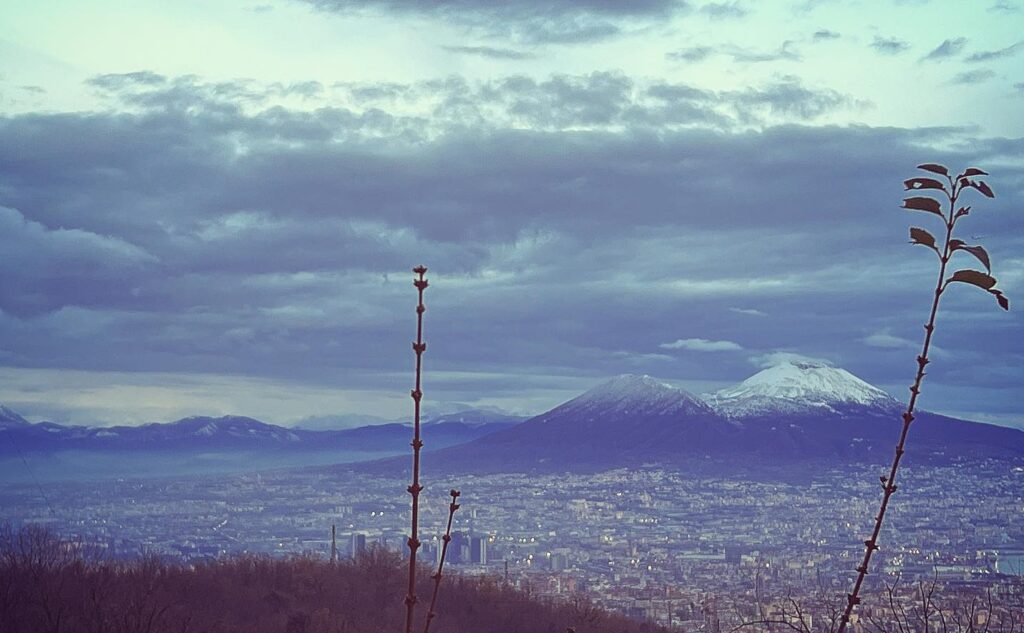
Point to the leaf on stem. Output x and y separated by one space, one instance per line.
978 251
1004 303
923 183
973 277
980 185
923 237
935 169
972 171
929 205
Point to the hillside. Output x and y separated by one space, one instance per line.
47 585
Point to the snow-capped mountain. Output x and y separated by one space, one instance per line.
793 413
800 387
634 395
10 418
628 417
473 418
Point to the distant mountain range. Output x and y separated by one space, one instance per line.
792 412
200 433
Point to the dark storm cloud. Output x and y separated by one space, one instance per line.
945 50
193 233
530 21
889 45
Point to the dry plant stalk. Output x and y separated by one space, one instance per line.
983 280
447 538
414 489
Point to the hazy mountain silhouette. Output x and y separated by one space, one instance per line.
227 433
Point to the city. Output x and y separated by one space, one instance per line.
660 545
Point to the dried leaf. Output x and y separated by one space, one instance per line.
980 186
973 277
935 169
923 183
931 205
972 171
977 251
1004 303
923 237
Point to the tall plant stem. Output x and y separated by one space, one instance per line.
414 489
447 538
889 483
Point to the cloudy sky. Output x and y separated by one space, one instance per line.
213 207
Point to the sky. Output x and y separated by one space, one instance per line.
213 207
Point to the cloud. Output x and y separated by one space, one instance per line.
46 267
743 54
886 340
231 229
691 54
724 10
489 52
948 48
824 35
972 77
1001 53
702 345
749 311
771 359
1003 6
739 54
789 97
526 21
889 45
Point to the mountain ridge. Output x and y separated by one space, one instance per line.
791 412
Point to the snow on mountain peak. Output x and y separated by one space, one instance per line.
632 393
797 385
10 417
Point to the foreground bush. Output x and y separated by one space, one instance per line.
51 586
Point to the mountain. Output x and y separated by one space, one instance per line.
791 413
10 418
807 408
630 418
476 418
340 421
237 433
801 387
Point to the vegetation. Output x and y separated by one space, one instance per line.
415 487
52 586
952 189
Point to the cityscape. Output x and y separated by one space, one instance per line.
667 546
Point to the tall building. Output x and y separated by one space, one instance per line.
457 548
358 547
478 550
